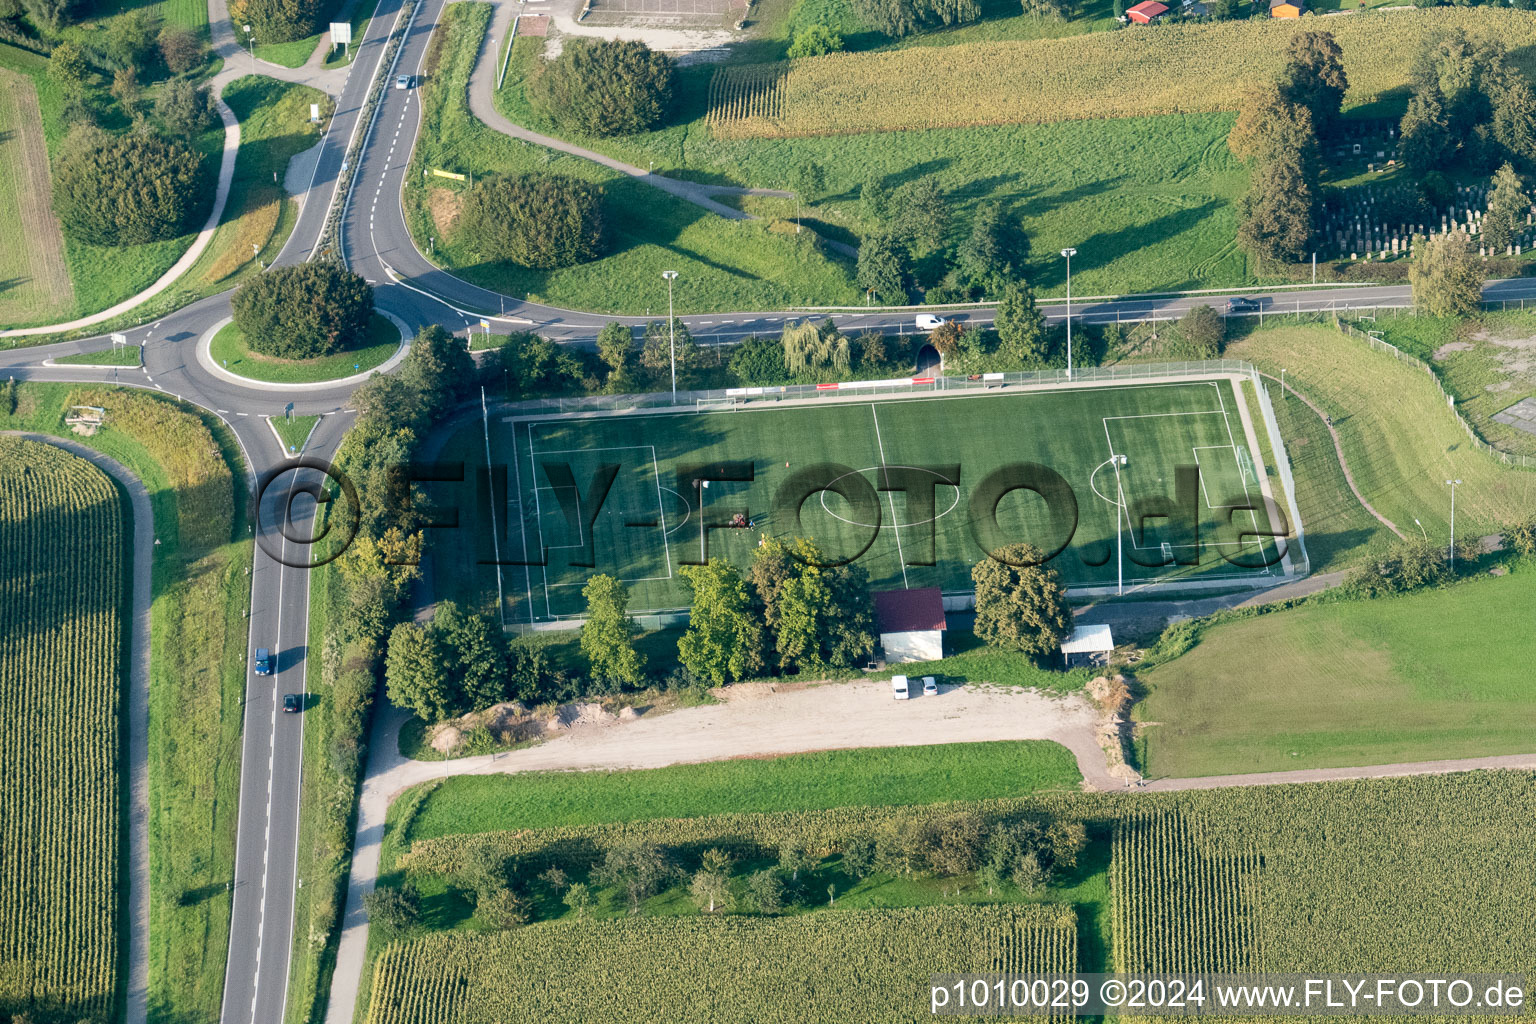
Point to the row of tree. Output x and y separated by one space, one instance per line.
1277 131
1026 853
1470 104
914 223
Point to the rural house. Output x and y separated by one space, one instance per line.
1287 8
1147 12
910 624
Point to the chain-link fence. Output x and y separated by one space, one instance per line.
1508 458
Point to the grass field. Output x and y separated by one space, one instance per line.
723 264
717 969
1158 193
229 348
63 573
1433 675
190 465
1401 442
117 355
102 275
274 127
34 278
1074 432
878 776
1107 74
294 432
1486 361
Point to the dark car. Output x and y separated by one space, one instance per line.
1242 305
293 703
263 661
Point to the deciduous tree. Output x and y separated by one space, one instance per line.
1020 327
303 310
604 87
125 189
1021 604
994 251
922 215
724 639
1313 76
884 268
1446 276
608 635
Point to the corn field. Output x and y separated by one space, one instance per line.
1203 918
737 93
61 645
1375 876
805 969
1173 69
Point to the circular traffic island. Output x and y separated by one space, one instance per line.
230 351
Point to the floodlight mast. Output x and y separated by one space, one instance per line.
671 275
1068 254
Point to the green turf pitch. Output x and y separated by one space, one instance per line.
651 520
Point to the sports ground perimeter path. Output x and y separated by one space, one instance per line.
482 90
136 701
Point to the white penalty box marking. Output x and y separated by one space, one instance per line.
661 512
1165 546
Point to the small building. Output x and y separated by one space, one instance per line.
1146 12
1287 8
911 624
1091 645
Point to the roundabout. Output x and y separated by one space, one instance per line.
386 348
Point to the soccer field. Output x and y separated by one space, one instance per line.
919 489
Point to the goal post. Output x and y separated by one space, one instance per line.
716 404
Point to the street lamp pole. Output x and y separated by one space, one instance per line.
251 44
671 275
1119 533
1069 253
1452 484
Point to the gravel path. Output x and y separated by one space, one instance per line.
136 704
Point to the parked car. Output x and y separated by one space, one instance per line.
899 687
929 322
1243 305
930 686
293 703
403 82
263 661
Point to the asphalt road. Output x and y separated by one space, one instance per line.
375 242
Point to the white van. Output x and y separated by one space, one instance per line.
929 322
899 687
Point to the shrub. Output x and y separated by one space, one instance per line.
277 21
535 220
303 311
182 50
185 108
395 909
604 87
1520 536
1204 332
126 190
815 41
1410 565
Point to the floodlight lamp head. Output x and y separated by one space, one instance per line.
670 275
1069 253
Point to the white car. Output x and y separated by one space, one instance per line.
403 82
899 687
930 686
929 322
